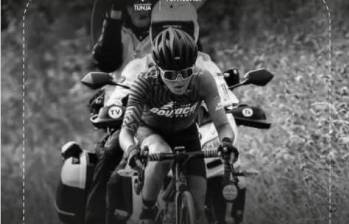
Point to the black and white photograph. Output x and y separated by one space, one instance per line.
175 112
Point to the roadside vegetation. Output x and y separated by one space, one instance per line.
302 160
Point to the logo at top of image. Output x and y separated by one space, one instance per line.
142 5
184 0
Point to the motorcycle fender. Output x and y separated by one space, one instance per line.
73 174
115 96
208 132
76 176
209 141
108 91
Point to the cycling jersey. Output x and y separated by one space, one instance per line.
151 103
139 65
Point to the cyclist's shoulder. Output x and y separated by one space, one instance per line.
205 82
204 61
204 76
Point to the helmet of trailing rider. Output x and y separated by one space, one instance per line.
175 54
178 14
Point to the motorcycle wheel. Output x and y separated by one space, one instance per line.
215 203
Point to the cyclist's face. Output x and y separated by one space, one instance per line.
178 86
140 19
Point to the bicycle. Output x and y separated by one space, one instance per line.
184 204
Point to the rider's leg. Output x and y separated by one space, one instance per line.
119 197
195 170
109 156
198 187
155 172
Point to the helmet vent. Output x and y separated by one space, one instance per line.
174 49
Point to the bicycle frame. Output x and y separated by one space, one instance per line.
180 179
180 157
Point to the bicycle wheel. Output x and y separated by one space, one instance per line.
185 211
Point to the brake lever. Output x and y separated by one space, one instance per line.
251 173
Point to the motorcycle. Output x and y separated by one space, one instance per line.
225 200
76 173
79 164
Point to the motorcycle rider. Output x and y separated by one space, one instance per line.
125 36
161 113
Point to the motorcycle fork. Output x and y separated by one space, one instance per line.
229 178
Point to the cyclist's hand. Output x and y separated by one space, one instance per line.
229 149
133 156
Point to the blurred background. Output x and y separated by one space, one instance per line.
288 37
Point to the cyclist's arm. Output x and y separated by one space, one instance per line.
107 52
215 108
133 114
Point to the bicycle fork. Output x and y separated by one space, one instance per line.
180 185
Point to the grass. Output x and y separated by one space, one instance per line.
302 159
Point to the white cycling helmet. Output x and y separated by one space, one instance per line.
179 14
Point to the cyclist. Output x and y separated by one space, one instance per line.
161 113
181 15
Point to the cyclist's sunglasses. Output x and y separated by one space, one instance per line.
175 74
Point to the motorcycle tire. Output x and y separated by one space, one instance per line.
215 202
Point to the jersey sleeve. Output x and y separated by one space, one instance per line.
212 99
208 89
107 52
135 105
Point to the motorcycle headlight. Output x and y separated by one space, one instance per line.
230 192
